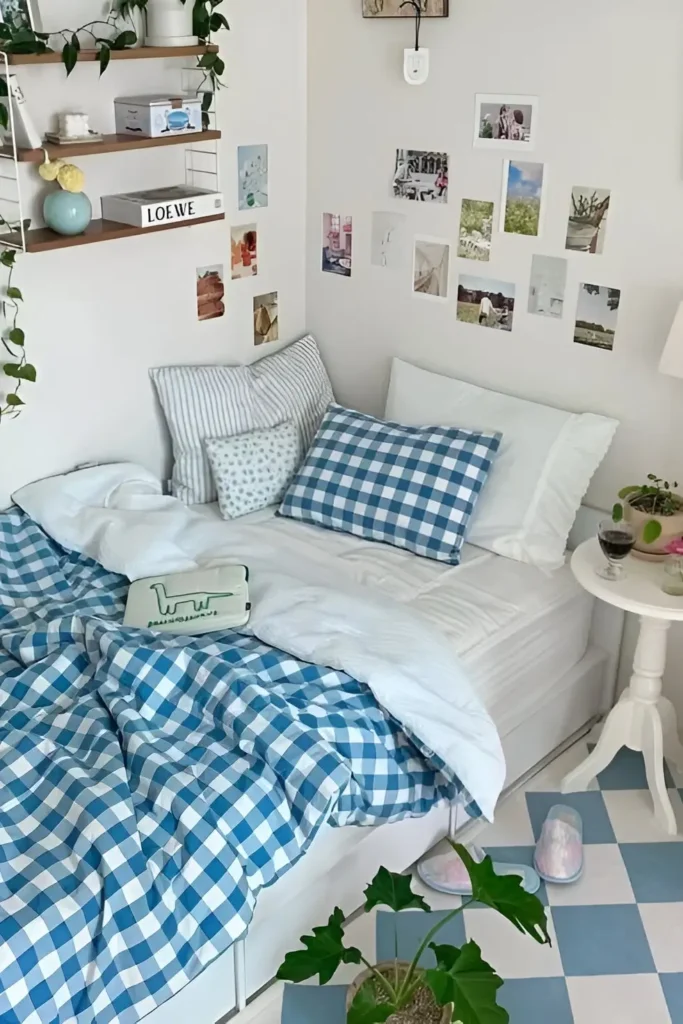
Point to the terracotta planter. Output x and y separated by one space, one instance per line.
672 526
404 1016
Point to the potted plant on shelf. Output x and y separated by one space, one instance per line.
460 987
656 512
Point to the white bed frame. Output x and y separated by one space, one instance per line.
338 867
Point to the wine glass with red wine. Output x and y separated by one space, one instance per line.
617 541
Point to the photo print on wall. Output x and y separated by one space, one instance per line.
547 286
210 292
252 171
505 122
337 244
244 241
431 264
476 226
393 9
266 318
486 302
587 224
522 203
389 243
596 316
20 14
421 175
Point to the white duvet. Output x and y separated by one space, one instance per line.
118 515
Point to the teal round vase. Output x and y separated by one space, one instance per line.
67 213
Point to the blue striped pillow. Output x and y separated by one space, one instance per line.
413 487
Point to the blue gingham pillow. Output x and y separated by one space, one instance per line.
413 487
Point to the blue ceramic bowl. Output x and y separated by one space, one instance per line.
67 213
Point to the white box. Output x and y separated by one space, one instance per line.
159 206
157 117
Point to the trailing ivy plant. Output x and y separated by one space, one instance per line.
17 368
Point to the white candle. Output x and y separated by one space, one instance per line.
73 126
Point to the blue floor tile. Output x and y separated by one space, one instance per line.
515 855
597 827
655 870
673 993
310 1004
627 771
536 1001
602 940
412 926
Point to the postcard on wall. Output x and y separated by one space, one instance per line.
421 175
431 265
587 225
337 244
486 302
252 171
20 14
596 316
547 286
389 245
505 122
476 227
266 318
210 292
244 242
522 204
393 9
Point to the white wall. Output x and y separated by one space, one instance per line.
97 317
610 81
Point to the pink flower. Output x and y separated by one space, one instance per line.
675 546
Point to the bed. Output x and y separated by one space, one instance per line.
377 693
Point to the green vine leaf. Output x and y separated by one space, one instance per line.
103 56
16 336
123 40
11 370
4 117
27 372
393 891
652 531
324 952
69 57
14 400
464 979
8 258
14 293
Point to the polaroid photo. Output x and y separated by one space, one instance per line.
547 286
210 293
597 313
337 248
421 175
505 122
522 204
476 228
486 302
431 267
587 223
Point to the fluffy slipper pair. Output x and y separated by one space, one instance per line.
558 858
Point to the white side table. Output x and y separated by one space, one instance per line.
642 719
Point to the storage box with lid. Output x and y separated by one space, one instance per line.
158 116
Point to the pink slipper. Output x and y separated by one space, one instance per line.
559 851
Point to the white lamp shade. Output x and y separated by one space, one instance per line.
671 362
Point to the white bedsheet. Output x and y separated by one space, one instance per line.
305 601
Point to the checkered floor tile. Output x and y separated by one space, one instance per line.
617 954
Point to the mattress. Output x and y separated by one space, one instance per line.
517 629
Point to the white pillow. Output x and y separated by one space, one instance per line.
221 401
252 471
544 465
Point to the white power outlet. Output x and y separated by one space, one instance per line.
416 65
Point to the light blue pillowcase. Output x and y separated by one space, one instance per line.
253 470
413 487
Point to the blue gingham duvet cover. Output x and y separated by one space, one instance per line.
151 786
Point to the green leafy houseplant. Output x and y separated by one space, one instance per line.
461 984
17 369
656 498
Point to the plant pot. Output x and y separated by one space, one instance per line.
672 526
133 20
169 23
419 1010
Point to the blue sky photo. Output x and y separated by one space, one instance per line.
525 180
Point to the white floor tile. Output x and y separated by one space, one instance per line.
550 779
624 998
512 826
663 923
605 880
513 954
632 816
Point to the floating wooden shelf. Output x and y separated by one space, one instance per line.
111 144
138 53
43 239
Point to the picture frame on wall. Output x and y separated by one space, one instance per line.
393 9
20 14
